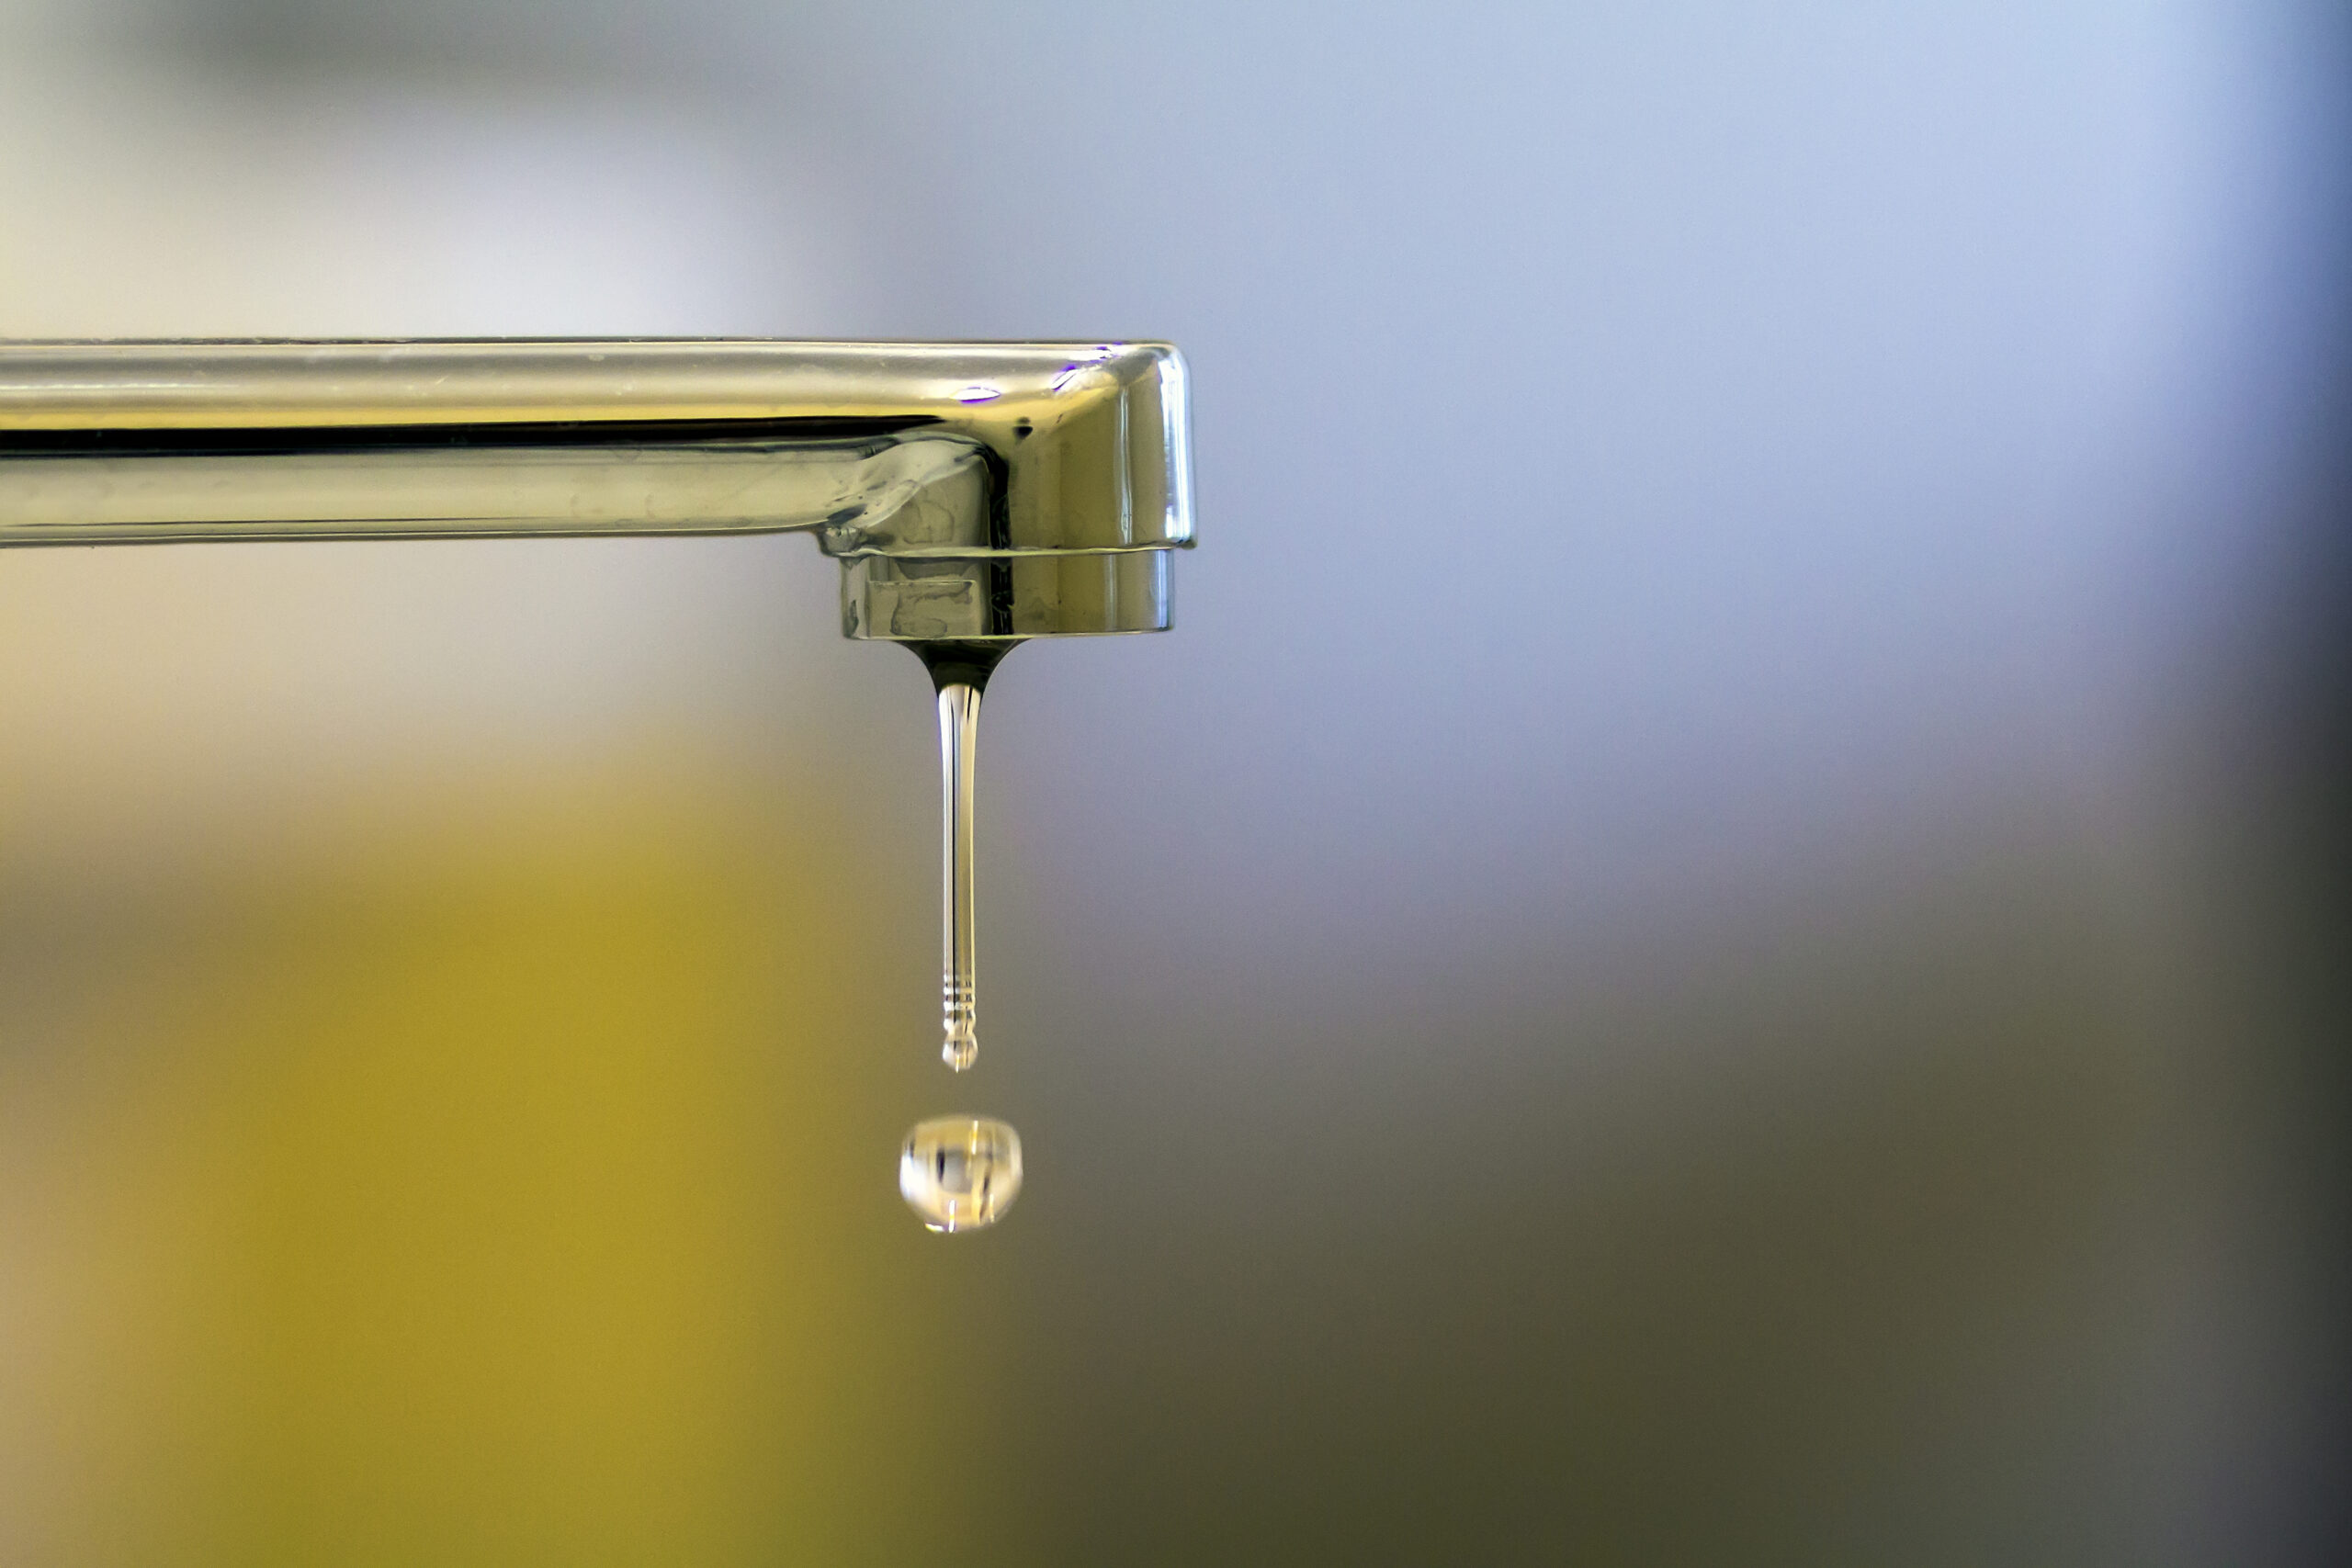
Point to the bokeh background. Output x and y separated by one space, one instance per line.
1719 939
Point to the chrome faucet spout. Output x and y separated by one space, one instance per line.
976 494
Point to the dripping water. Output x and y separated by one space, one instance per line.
959 1172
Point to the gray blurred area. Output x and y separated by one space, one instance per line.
1759 976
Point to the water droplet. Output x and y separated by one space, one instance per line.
960 1172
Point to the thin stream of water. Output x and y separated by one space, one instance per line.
959 727
960 1172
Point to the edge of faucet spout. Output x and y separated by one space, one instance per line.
1060 519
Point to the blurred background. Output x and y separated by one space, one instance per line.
1719 937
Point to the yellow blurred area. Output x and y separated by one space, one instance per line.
498 1176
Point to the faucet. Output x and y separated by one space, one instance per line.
977 495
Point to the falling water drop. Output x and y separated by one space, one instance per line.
959 1173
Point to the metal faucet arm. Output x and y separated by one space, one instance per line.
974 492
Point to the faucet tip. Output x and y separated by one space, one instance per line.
961 663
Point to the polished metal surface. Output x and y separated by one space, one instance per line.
973 493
